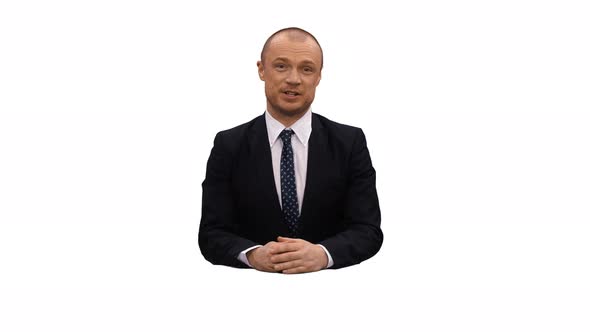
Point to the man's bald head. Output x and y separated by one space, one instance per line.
295 34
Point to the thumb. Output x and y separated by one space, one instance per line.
284 239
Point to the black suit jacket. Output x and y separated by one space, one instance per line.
340 209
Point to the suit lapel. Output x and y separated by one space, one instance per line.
317 158
261 157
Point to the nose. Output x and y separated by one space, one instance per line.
293 78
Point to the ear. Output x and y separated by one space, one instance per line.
260 70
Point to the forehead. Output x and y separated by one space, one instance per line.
294 47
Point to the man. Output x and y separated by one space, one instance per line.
290 191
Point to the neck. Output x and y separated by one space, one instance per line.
286 120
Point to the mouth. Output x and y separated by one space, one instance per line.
291 93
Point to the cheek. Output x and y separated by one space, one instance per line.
272 83
269 86
310 88
312 82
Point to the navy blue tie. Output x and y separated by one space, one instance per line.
288 186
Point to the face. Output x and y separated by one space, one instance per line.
291 71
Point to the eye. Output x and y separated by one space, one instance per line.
307 69
280 66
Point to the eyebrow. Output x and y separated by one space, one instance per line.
308 62
287 60
281 59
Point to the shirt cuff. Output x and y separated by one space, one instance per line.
242 256
330 261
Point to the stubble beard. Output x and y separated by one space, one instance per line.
292 113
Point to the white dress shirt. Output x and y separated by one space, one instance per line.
299 142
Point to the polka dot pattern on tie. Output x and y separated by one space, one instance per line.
288 186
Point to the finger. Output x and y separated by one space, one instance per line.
285 257
272 246
295 270
286 239
282 247
288 265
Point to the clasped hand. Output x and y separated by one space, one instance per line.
288 255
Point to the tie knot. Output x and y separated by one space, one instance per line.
286 135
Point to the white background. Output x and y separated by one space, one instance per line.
477 116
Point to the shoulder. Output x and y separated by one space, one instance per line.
242 129
337 131
232 137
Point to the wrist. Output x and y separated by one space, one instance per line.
250 256
324 256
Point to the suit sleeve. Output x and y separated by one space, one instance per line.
362 236
218 241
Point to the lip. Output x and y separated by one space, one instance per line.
290 96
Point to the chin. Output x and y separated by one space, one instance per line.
289 109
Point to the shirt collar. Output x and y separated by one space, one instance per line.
301 128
